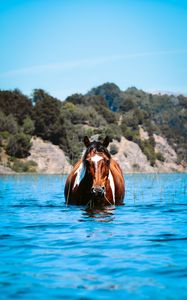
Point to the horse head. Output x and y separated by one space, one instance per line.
97 165
96 178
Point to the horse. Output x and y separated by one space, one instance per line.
96 179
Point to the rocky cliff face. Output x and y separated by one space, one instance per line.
50 159
6 170
132 159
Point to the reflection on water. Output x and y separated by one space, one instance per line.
105 214
52 251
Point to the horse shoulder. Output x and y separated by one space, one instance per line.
115 168
74 185
72 176
118 179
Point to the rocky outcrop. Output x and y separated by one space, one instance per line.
50 158
6 170
165 149
132 159
169 154
4 167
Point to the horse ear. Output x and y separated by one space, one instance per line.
106 142
86 141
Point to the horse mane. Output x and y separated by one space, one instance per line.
98 147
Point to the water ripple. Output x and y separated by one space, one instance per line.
53 251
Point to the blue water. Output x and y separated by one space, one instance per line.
136 251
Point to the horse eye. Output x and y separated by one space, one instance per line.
107 162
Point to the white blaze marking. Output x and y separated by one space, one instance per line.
79 175
96 158
111 179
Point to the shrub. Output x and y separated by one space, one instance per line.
160 157
29 166
4 134
18 145
149 151
136 167
112 131
28 125
8 123
126 105
131 135
113 149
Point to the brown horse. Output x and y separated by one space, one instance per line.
96 179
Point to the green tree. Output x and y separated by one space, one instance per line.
47 116
15 103
8 123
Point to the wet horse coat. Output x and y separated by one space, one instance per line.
96 178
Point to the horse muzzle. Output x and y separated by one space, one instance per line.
98 191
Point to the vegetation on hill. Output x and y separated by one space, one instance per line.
162 114
105 110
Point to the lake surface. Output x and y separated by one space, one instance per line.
135 251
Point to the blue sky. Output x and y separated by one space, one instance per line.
69 46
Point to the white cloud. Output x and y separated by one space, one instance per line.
62 66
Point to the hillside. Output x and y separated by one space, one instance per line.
162 114
143 120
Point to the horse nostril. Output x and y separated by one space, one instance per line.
98 191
